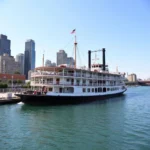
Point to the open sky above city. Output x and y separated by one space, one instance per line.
122 27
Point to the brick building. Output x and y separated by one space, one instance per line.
14 77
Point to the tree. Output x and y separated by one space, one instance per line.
19 81
3 85
9 81
28 84
16 72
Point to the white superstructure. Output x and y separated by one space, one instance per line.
68 81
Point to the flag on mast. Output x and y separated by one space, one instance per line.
73 31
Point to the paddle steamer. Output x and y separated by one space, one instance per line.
67 84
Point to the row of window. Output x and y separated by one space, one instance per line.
99 89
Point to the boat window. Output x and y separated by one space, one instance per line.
84 89
50 80
84 81
104 89
50 89
95 90
92 89
88 89
101 90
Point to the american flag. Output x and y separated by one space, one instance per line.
73 31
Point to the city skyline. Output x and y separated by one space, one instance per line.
121 28
20 58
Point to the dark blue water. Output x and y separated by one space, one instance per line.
115 124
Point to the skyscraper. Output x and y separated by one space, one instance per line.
70 61
29 56
4 45
20 60
61 57
48 63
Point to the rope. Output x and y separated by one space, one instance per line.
68 43
79 56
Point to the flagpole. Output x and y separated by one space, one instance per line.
75 45
43 58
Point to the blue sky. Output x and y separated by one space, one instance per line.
120 26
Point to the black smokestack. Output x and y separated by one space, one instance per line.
89 59
103 58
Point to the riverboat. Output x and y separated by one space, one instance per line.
65 84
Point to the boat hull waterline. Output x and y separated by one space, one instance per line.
62 100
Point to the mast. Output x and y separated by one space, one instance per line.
75 47
43 60
42 70
117 69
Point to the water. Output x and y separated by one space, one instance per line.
115 124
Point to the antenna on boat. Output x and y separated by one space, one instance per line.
95 60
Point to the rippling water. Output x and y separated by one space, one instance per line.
117 124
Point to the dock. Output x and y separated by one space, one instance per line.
8 98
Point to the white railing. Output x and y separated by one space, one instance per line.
87 76
71 84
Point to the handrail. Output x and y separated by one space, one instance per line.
83 76
73 84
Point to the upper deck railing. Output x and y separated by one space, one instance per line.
40 83
77 75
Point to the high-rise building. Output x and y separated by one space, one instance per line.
61 57
48 63
29 56
4 45
20 60
132 77
70 61
8 65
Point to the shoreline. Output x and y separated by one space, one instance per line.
7 99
